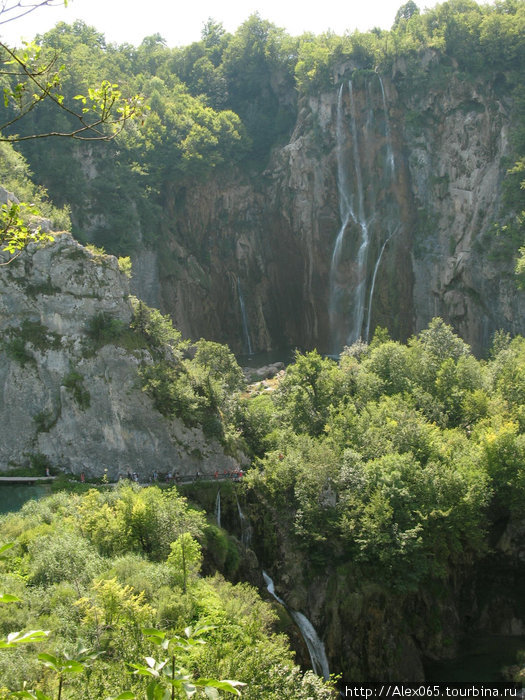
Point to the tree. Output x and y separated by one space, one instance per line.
32 76
405 12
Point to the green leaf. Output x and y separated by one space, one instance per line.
7 598
227 685
49 661
72 666
155 691
144 670
7 546
126 695
30 637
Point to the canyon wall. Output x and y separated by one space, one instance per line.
378 211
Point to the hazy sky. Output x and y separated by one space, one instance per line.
180 23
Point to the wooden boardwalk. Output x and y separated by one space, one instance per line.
24 479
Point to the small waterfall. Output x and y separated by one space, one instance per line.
246 528
218 508
312 641
245 329
372 284
271 588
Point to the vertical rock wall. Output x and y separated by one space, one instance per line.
273 234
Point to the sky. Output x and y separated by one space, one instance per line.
180 23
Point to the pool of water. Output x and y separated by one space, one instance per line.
481 660
13 496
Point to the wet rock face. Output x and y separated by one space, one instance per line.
423 167
63 404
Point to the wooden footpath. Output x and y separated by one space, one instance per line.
24 479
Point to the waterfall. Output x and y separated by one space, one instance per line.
246 528
362 254
388 136
271 588
218 508
314 644
245 329
352 277
372 284
346 213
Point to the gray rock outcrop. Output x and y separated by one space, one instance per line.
62 403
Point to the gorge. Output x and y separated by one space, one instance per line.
356 197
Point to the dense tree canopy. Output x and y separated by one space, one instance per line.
397 457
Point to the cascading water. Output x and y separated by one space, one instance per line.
245 328
362 254
352 279
218 508
346 214
314 644
246 528
388 135
373 283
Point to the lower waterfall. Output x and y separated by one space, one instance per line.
310 636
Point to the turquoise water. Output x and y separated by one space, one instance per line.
13 496
480 660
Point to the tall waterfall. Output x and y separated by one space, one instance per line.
245 328
314 644
388 134
218 508
359 133
362 253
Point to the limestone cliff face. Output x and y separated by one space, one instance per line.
59 400
281 259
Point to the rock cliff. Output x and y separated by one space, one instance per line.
61 402
379 210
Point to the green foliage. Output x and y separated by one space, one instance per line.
104 607
185 559
15 233
74 381
307 391
393 461
193 383
103 329
124 265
